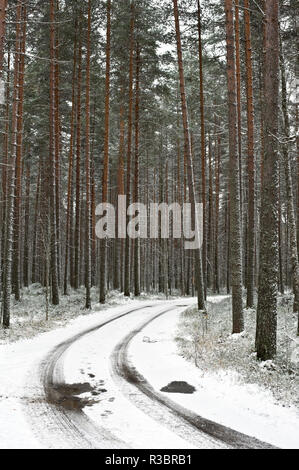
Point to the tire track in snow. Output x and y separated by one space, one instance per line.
180 419
55 425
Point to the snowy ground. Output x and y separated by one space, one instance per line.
231 387
216 351
29 316
19 385
221 394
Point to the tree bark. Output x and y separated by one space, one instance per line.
3 6
69 214
266 334
187 145
52 145
8 245
136 176
87 168
203 144
235 216
26 227
251 161
103 273
289 187
78 170
18 162
127 277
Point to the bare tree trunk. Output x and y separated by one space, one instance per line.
217 212
210 235
3 6
251 161
136 181
119 263
26 228
190 172
203 145
52 188
127 277
7 257
235 215
239 103
103 273
289 187
78 170
57 144
69 214
87 168
35 226
266 335
18 161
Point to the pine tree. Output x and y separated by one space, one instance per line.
87 167
251 160
187 145
266 334
7 257
235 213
103 261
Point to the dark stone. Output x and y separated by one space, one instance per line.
179 387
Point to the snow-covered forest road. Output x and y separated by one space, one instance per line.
78 388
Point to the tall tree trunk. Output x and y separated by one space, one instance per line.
78 170
210 219
103 273
3 5
5 156
35 226
57 143
266 335
136 177
119 265
217 212
251 161
7 257
52 188
190 172
18 161
289 186
26 228
69 214
203 143
235 216
127 277
239 103
87 168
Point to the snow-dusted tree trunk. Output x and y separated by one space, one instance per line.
136 176
26 227
119 258
239 100
69 214
266 334
203 141
127 266
3 5
18 164
78 168
289 186
52 146
103 251
87 169
234 180
251 160
10 175
189 160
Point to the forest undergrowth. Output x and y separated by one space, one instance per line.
208 342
